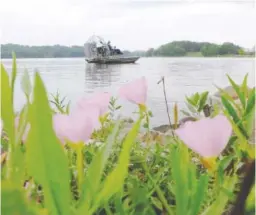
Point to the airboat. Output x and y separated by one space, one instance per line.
98 51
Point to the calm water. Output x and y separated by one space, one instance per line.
184 76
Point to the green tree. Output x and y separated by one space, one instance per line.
229 48
210 50
150 52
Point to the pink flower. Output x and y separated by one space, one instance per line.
25 133
208 137
99 99
78 126
135 91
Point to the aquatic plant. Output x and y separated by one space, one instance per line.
59 168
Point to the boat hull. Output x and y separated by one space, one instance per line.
113 60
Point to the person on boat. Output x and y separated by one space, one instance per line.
99 49
117 51
110 48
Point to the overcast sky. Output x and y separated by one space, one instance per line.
129 24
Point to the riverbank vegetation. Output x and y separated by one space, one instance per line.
173 49
198 49
57 161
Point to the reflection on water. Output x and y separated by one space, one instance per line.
74 78
100 75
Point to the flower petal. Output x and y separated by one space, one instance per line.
75 128
208 137
135 91
89 110
99 99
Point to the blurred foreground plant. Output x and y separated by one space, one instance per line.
66 173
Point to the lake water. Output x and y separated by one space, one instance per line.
75 78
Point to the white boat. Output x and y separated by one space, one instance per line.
98 51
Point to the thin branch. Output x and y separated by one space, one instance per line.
166 104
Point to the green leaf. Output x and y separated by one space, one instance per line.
46 160
230 109
68 108
13 200
180 171
223 164
7 113
200 194
236 129
14 73
156 202
191 108
114 181
26 84
239 93
229 98
219 205
93 176
191 101
234 115
244 87
196 98
250 201
251 102
202 101
216 110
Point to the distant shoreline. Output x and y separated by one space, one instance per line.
172 49
187 56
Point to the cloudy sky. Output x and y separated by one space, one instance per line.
129 24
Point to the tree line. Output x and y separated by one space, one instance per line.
183 48
56 51
175 49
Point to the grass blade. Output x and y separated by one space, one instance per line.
220 203
14 73
115 179
251 102
46 160
180 171
237 89
202 101
200 194
229 98
244 87
92 179
234 115
230 109
26 84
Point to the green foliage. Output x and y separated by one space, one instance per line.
175 48
229 48
189 48
242 114
198 101
46 159
41 51
13 201
210 50
121 175
60 103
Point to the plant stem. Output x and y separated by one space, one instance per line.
167 108
80 167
